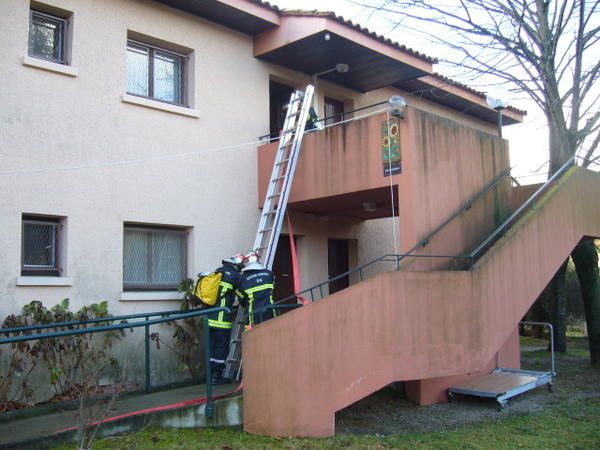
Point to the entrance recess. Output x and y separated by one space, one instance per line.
338 264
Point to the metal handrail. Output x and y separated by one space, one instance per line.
397 258
173 316
422 243
85 322
549 325
269 139
508 222
468 205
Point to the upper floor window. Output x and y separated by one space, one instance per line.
155 73
40 253
48 36
154 257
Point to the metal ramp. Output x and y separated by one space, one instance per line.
273 212
504 384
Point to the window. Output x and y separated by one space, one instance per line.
40 253
155 73
48 37
153 258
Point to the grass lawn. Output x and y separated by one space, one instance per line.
569 418
564 425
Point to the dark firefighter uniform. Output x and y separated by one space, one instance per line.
220 323
255 291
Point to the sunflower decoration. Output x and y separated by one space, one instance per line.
390 141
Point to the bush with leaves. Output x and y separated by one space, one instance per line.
187 335
69 360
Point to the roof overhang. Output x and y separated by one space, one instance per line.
242 15
458 97
300 43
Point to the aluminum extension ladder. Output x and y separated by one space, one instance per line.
271 219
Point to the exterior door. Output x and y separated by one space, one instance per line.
282 269
338 264
279 97
334 110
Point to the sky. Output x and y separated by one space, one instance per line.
528 141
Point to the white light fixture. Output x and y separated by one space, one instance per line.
397 106
497 99
327 36
369 206
339 67
342 68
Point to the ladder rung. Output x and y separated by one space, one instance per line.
265 230
278 178
275 195
283 161
269 212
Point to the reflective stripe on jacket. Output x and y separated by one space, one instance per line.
226 297
255 290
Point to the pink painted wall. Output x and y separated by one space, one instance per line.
303 367
444 164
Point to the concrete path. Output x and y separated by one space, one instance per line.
180 407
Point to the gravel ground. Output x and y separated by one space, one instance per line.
386 412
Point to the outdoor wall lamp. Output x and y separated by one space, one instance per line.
369 206
339 68
397 106
495 101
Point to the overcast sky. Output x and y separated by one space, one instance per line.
528 141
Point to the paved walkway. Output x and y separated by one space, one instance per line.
14 433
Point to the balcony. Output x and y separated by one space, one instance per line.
341 169
438 164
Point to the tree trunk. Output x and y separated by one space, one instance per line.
559 320
585 257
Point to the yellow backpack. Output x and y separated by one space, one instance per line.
207 288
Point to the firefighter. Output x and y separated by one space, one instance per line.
255 289
220 323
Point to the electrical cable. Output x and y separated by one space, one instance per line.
162 157
389 152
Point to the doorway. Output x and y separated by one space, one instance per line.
279 97
338 262
282 269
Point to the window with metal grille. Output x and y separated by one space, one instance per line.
40 254
47 37
155 73
153 258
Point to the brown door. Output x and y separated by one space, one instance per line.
333 111
338 263
282 269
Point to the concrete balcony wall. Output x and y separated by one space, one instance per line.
410 325
444 163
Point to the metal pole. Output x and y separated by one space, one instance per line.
147 349
499 122
209 398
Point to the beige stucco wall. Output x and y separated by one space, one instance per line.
55 121
51 120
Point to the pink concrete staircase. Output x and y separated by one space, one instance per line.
304 366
